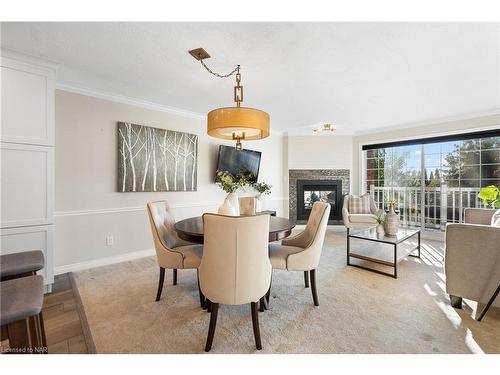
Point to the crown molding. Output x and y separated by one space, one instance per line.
136 102
128 100
30 60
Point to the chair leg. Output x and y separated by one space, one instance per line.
306 278
313 287
268 294
255 324
211 328
202 297
208 305
262 304
175 276
160 283
456 302
44 338
19 336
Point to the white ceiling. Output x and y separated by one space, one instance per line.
359 76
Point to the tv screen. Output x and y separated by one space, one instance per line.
242 162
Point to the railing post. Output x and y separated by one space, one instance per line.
443 217
372 194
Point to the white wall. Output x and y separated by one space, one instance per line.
430 130
320 152
88 208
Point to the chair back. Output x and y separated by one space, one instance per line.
312 240
248 205
165 238
235 267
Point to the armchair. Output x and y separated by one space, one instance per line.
360 220
472 258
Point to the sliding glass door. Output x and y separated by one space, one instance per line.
433 182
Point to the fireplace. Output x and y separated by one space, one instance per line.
328 191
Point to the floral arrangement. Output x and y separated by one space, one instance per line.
262 188
228 182
392 202
380 219
231 183
490 196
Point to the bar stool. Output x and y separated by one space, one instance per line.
22 264
21 314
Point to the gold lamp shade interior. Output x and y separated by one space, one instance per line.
243 122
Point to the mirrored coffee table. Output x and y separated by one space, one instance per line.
403 235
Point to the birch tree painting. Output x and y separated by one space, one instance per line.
153 159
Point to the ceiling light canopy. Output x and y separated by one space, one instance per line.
234 123
324 128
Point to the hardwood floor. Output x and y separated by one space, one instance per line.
66 327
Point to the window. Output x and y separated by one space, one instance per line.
432 180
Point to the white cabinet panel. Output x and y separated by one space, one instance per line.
27 184
27 104
16 240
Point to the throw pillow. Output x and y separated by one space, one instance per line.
359 205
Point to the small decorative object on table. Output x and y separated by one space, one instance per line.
230 184
263 189
380 219
391 223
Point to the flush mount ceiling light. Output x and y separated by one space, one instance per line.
234 123
324 128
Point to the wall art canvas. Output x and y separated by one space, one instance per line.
153 159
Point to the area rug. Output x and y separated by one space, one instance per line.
359 312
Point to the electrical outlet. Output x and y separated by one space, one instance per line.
110 240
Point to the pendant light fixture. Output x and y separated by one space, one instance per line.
234 123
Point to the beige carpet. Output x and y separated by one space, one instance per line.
359 312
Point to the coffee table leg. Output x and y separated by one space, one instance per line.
419 244
490 302
348 247
395 261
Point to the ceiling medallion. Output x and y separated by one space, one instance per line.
324 128
234 123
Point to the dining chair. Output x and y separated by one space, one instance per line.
248 205
302 252
235 267
172 252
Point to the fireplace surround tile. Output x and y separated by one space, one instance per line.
313 174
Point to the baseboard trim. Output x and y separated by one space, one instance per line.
74 267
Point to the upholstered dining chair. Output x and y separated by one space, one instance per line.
302 252
172 252
235 267
248 205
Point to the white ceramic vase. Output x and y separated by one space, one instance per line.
380 229
226 208
391 224
233 201
259 203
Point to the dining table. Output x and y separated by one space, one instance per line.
191 229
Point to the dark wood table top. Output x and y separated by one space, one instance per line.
192 229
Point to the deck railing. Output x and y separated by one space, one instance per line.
429 208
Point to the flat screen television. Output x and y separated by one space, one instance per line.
242 162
